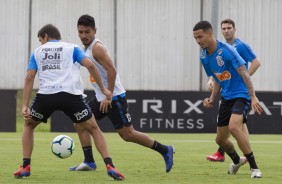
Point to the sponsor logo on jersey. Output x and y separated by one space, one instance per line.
80 115
219 60
51 67
223 76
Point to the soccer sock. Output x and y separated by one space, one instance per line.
251 159
235 157
221 151
26 162
108 160
88 154
162 149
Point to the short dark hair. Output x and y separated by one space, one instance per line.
204 25
86 20
228 21
51 30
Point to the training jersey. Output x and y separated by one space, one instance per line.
118 88
244 51
58 67
221 65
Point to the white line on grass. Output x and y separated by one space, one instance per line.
192 141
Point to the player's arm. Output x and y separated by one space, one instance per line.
28 86
92 69
242 71
101 55
210 83
255 64
208 102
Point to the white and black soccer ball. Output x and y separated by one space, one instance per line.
62 146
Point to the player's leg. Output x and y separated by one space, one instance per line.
27 146
223 135
91 126
129 134
39 114
86 140
121 120
238 131
81 114
86 143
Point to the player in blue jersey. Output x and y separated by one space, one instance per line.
222 62
60 88
228 30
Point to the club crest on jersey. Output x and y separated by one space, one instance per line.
219 60
219 51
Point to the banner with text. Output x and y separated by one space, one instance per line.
182 112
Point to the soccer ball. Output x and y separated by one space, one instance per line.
62 146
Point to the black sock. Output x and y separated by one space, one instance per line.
162 149
108 160
221 151
251 159
88 154
26 162
235 157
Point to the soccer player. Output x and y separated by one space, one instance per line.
60 88
222 62
118 111
228 30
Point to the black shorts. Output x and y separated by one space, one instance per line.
234 106
118 114
74 106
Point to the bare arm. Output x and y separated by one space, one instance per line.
101 55
92 69
208 102
28 86
255 64
242 71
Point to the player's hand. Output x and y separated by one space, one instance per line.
26 113
105 104
208 103
210 84
256 105
108 94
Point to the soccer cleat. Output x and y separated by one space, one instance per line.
216 157
114 173
22 172
255 173
84 166
233 169
168 158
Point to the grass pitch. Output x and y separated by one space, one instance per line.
140 164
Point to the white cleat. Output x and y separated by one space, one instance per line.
255 173
233 169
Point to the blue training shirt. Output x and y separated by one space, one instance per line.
244 51
78 56
221 65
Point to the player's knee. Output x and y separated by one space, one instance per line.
127 136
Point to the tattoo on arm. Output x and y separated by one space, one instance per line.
242 71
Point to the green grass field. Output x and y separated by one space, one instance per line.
139 164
